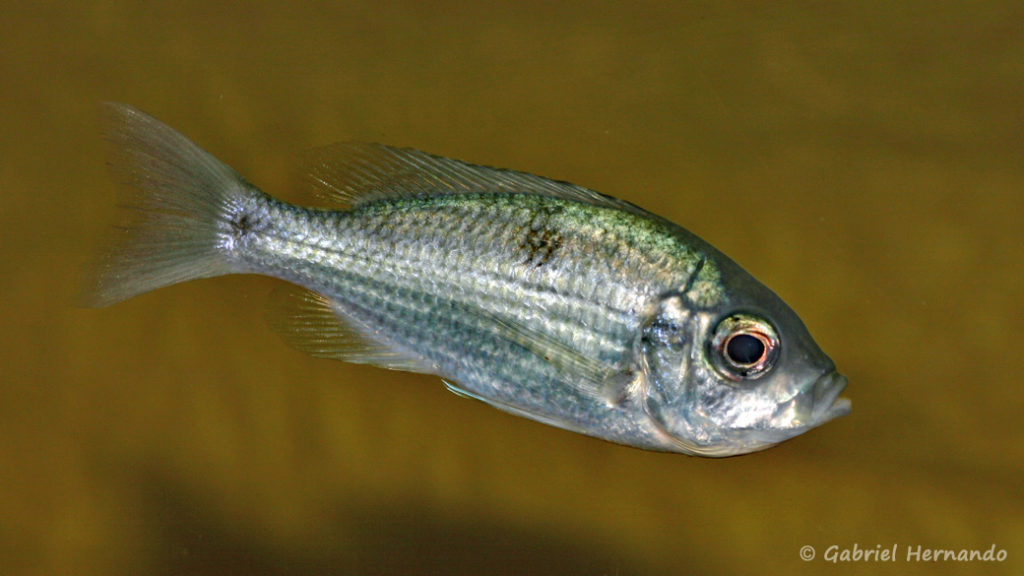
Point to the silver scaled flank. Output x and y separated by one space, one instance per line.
539 297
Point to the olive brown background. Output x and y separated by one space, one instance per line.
864 159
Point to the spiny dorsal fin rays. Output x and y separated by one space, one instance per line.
355 173
309 323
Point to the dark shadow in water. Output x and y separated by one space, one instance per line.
406 538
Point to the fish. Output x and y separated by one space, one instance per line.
544 299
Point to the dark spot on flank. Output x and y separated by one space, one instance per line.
540 241
539 246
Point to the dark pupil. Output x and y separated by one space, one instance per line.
744 349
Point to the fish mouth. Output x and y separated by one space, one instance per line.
825 401
816 405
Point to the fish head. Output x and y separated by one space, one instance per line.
728 368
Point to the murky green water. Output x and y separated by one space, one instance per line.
863 160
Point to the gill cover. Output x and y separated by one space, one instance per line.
669 350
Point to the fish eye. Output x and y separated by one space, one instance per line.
744 347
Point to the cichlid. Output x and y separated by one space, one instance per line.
539 297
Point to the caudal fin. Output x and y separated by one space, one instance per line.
178 199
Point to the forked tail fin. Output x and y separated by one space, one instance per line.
179 200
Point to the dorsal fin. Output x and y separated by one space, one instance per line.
357 173
309 323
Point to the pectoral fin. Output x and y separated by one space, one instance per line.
313 324
462 393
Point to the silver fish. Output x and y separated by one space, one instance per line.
539 297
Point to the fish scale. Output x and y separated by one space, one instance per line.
502 281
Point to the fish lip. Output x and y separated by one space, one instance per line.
827 404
